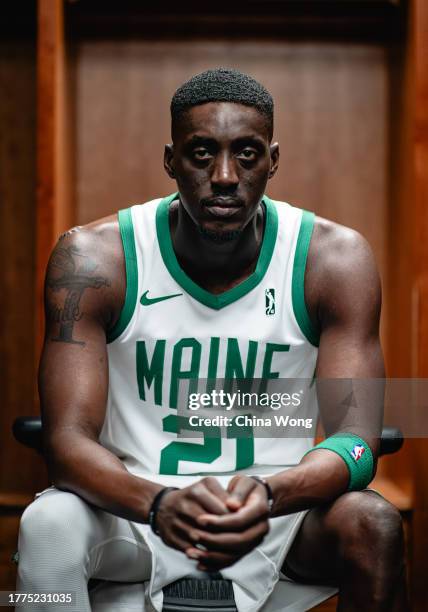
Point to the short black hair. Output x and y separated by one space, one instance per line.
223 85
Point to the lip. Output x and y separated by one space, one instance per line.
223 211
222 207
223 202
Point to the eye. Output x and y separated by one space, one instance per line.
248 155
201 154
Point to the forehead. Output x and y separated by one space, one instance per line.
221 120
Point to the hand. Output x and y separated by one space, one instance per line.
229 536
178 512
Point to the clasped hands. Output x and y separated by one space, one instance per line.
215 526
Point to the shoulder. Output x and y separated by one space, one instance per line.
100 238
338 249
341 273
91 257
95 247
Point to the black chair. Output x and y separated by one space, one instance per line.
28 431
188 594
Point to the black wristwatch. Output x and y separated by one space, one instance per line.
268 490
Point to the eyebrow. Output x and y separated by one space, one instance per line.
250 139
198 140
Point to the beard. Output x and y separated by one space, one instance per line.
218 237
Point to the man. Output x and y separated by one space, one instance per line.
216 281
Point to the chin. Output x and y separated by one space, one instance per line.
220 236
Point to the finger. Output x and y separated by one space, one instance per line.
212 561
189 511
216 561
239 489
241 542
175 540
201 494
255 509
215 487
180 534
198 540
187 533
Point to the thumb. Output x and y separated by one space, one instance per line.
239 488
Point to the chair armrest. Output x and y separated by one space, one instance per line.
28 431
391 441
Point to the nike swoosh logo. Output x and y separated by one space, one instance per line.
146 301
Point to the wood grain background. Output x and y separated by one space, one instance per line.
82 131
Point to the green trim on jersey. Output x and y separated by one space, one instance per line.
298 284
201 295
128 241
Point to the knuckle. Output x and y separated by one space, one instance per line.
207 539
234 541
176 524
185 508
196 490
194 536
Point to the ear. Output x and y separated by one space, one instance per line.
168 160
274 159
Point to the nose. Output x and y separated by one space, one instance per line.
224 172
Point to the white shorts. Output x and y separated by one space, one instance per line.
257 580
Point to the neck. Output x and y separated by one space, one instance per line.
212 263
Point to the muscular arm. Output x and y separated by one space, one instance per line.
342 292
85 286
343 295
85 289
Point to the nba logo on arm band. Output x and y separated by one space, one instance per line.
357 451
357 455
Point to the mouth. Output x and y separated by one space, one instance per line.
222 207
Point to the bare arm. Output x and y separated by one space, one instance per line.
85 286
342 291
344 300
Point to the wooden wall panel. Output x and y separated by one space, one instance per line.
419 24
17 216
344 123
331 122
408 264
20 471
352 121
341 122
54 143
399 295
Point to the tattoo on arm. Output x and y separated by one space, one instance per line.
72 272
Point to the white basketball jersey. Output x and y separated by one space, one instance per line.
171 331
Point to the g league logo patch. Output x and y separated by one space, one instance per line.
357 451
270 302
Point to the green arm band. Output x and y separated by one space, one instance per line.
360 462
